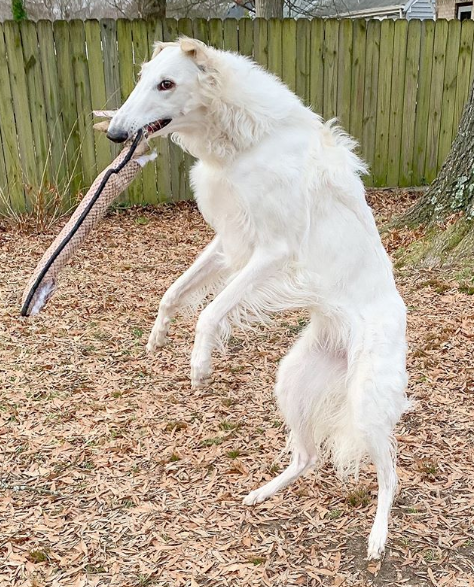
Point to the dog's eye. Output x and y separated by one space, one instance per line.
166 84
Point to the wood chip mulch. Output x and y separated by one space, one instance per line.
113 471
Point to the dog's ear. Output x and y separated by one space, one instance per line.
157 48
194 49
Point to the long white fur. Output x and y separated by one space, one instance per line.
282 190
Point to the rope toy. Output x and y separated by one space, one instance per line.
106 188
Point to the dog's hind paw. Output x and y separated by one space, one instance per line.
376 547
199 377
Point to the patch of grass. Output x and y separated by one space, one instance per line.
38 556
116 394
227 426
437 285
174 458
137 332
359 497
274 468
142 220
430 555
211 441
412 510
466 288
335 514
228 402
176 425
233 454
94 570
428 468
257 560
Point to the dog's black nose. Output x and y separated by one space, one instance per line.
117 136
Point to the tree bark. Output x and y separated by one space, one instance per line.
155 9
269 8
447 207
453 190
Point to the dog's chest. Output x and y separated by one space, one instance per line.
222 207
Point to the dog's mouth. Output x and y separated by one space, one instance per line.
157 125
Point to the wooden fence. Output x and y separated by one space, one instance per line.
399 87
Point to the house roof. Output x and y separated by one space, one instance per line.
353 7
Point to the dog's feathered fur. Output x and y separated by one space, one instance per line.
282 191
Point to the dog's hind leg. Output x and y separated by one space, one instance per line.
376 393
383 456
201 271
306 374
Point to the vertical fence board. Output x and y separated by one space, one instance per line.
134 193
13 170
423 101
466 54
246 37
56 142
358 77
216 38
83 100
409 103
383 106
331 37
449 91
21 107
200 29
162 166
36 100
399 65
260 41
67 113
436 100
303 59
92 31
231 35
370 94
316 84
275 47
344 76
288 34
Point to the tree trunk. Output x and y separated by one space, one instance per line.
448 204
269 8
155 9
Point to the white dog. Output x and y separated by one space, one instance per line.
282 190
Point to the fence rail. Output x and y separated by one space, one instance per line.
399 87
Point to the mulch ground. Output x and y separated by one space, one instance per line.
113 471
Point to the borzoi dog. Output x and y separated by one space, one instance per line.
283 193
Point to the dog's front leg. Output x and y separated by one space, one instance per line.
206 265
262 264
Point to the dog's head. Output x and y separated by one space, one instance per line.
164 99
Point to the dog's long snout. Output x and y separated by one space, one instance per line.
117 135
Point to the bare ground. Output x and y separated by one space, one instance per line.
114 472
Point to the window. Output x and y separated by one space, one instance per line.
464 11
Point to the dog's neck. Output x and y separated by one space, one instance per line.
234 112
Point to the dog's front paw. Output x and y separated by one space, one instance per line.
156 340
200 374
200 370
255 496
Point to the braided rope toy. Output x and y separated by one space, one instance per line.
107 187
